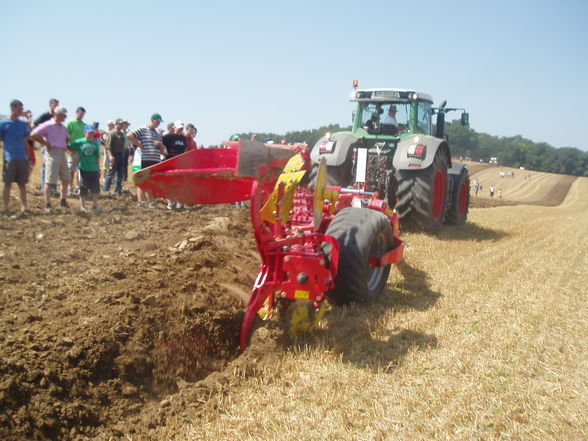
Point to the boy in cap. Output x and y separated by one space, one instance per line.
89 167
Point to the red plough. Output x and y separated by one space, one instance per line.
323 244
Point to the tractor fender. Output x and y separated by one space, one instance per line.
454 173
405 160
455 169
335 154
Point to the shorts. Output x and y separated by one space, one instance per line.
145 164
73 161
56 166
89 182
16 171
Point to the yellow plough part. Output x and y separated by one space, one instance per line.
301 321
289 180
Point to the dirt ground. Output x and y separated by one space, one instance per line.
124 322
105 315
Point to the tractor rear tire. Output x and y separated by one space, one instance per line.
423 195
457 213
362 233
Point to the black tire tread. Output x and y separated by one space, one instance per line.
415 189
355 229
453 215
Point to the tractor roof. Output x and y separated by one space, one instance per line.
388 95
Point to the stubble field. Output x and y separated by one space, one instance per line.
124 325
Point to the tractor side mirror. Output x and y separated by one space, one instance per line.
465 119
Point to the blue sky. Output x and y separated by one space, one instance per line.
228 66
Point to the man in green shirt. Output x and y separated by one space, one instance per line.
75 130
89 165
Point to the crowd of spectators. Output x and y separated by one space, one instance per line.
83 158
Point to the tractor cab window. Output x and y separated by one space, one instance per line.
377 117
369 113
424 117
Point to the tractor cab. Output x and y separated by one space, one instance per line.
391 113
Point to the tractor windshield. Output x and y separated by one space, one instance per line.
386 118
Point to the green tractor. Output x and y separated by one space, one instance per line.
395 150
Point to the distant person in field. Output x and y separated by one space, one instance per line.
53 135
115 148
89 167
15 168
492 191
500 193
75 130
476 187
148 140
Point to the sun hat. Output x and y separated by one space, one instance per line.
60 110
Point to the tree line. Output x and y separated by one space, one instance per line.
514 151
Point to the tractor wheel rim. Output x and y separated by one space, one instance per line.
438 195
463 198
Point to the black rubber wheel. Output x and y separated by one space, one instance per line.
362 233
423 195
457 213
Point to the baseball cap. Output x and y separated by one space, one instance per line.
179 124
60 110
110 122
89 129
119 121
157 117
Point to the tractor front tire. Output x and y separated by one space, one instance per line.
423 195
362 233
457 213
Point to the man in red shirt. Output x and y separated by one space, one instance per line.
190 135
